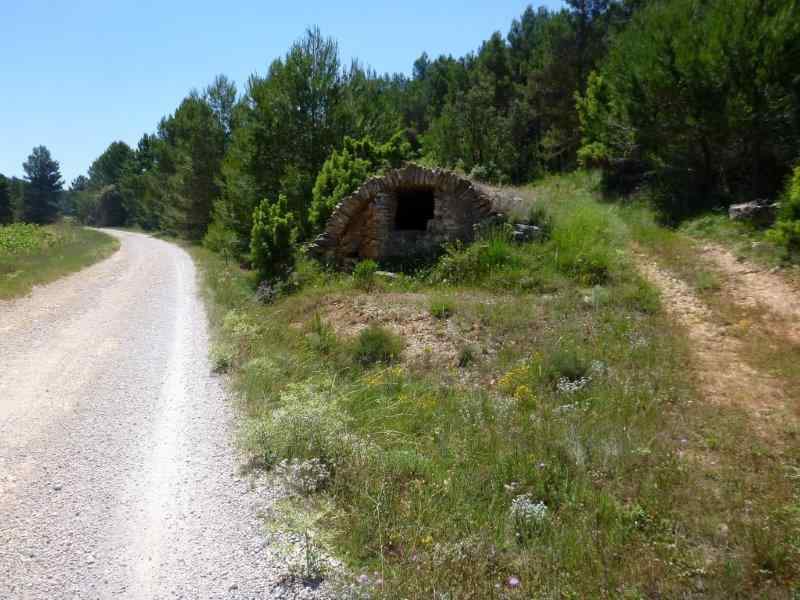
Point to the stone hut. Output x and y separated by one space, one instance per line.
405 212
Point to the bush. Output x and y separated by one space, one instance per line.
441 308
346 170
786 231
364 274
465 264
222 357
221 240
466 357
307 425
377 345
272 239
488 173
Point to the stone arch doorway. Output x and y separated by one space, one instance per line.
405 212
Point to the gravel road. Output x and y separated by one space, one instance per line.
118 476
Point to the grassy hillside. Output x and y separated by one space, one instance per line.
33 255
517 420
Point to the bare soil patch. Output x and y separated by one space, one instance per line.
438 342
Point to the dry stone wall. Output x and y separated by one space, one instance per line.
365 224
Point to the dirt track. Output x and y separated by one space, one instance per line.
117 473
724 373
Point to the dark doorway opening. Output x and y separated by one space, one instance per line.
414 209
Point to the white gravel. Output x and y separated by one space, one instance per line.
118 474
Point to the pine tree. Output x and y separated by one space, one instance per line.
40 203
6 208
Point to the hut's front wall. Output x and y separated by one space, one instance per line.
394 217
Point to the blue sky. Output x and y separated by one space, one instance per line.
79 74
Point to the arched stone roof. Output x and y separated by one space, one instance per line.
362 225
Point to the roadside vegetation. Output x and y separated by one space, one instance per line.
34 254
537 431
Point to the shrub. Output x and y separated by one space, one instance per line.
272 239
346 170
221 359
488 173
364 274
566 364
307 425
304 476
441 308
566 370
376 344
466 357
786 231
221 240
463 264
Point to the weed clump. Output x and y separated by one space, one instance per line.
306 425
364 274
468 264
466 357
375 344
222 357
322 338
582 248
441 308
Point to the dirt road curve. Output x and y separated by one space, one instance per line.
117 475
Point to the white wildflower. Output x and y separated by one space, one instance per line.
572 386
524 508
305 476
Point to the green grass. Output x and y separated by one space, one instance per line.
553 452
441 308
743 239
377 345
33 255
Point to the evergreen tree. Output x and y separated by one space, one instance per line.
6 208
347 169
40 202
194 146
703 97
